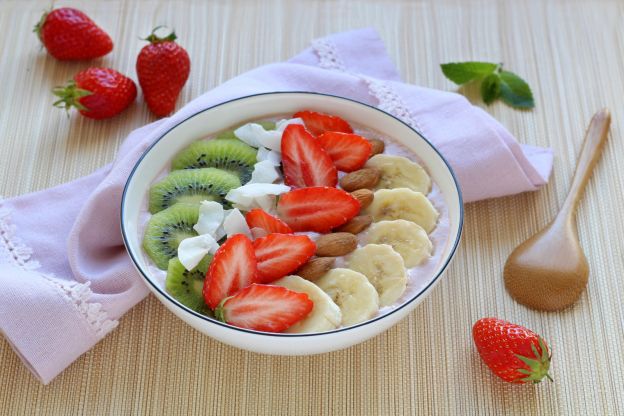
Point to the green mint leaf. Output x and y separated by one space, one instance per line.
515 91
462 72
490 88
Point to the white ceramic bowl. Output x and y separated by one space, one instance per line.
257 107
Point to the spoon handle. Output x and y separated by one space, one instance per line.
595 139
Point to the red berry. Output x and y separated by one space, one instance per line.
258 218
317 209
513 352
233 267
265 308
348 151
319 123
97 93
69 34
281 254
163 67
304 161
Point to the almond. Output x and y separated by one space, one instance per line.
364 196
335 244
315 268
356 225
364 178
378 146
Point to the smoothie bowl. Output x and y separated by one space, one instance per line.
291 223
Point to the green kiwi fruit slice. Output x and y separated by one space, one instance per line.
230 155
192 186
229 134
187 286
165 231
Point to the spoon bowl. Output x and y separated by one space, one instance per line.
549 271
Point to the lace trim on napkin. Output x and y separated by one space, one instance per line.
15 253
387 98
328 55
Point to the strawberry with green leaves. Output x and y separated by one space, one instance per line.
69 34
163 67
514 353
97 93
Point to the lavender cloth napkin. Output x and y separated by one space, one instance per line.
65 276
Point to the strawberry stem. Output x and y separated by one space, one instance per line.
538 366
39 26
154 38
69 96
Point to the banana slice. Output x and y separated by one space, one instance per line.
407 238
400 172
352 292
325 314
403 203
384 268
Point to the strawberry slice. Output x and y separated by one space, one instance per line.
259 218
319 123
348 151
264 308
233 267
304 161
281 254
317 209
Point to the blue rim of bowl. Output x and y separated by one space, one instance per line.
250 331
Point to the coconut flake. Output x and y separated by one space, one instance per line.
210 218
264 172
282 124
272 156
235 223
256 195
256 136
192 250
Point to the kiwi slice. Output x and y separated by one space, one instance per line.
231 155
192 186
229 134
165 231
187 286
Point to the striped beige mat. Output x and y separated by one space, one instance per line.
571 52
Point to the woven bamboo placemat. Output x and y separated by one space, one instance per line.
571 53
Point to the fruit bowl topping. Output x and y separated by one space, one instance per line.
293 258
514 353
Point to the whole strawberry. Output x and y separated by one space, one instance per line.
69 34
97 93
163 67
514 353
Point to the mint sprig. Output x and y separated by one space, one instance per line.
495 82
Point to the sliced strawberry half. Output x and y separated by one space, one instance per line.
319 123
281 254
265 308
304 161
259 218
317 209
233 267
348 151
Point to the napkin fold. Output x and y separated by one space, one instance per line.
65 276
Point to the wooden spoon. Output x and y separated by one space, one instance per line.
549 270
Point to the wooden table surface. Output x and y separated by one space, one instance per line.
570 52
